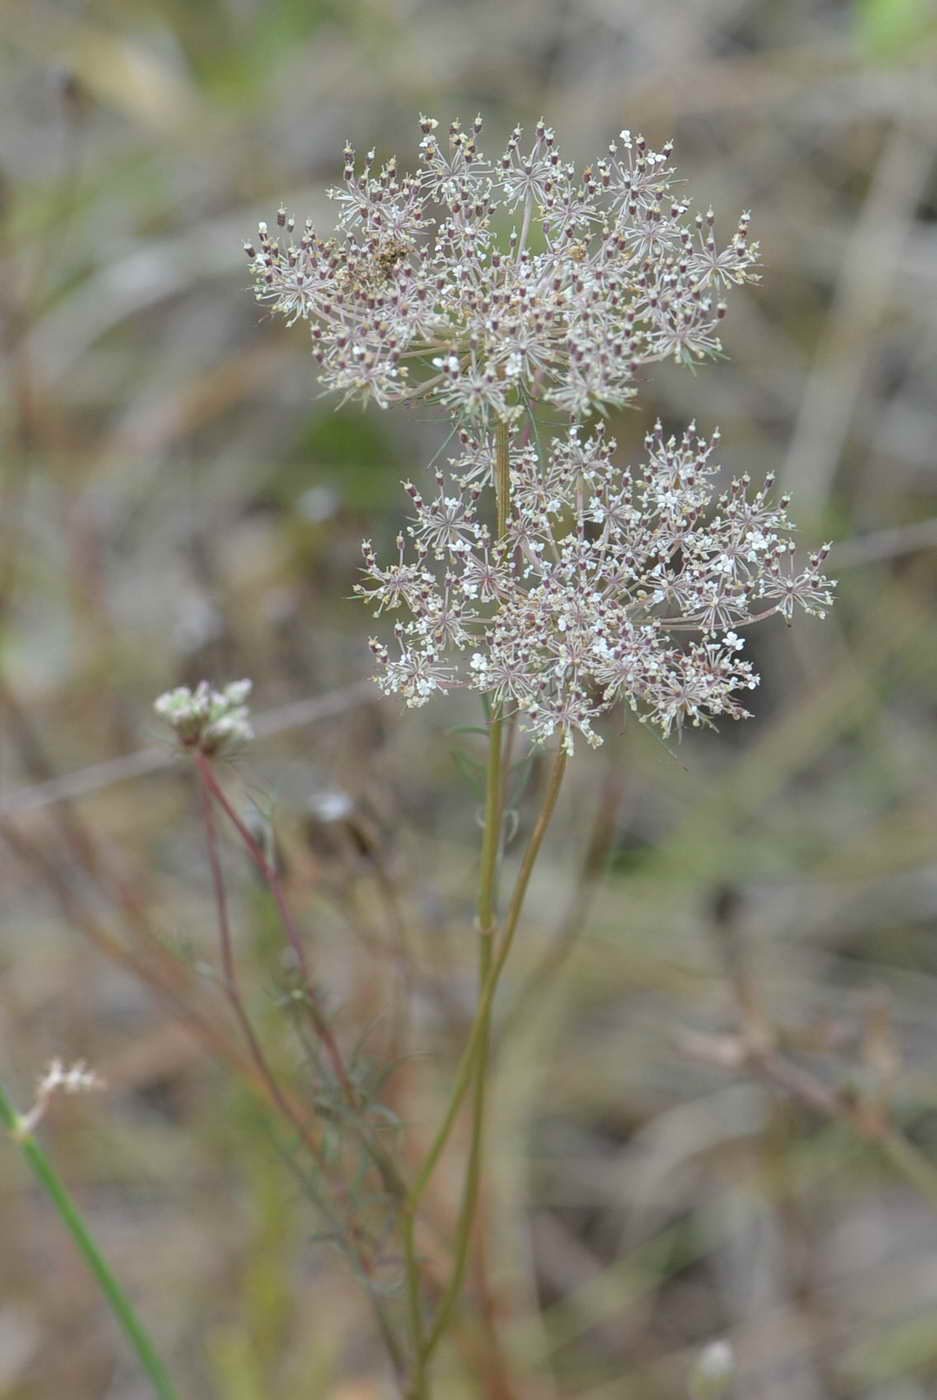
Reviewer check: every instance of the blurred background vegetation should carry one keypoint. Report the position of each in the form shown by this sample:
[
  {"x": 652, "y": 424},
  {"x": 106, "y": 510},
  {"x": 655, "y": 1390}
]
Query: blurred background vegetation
[{"x": 178, "y": 501}]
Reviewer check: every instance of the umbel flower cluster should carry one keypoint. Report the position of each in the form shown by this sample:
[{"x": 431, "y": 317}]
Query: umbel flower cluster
[
  {"x": 482, "y": 284},
  {"x": 489, "y": 286},
  {"x": 577, "y": 607},
  {"x": 211, "y": 721}
]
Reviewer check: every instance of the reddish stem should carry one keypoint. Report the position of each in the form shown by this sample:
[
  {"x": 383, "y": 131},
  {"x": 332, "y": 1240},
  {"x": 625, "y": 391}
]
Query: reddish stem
[
  {"x": 319, "y": 1024},
  {"x": 232, "y": 986}
]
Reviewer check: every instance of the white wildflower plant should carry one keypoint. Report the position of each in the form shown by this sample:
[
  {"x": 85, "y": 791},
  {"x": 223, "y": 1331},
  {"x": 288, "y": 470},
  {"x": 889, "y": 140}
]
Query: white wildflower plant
[
  {"x": 538, "y": 571},
  {"x": 481, "y": 284},
  {"x": 209, "y": 721},
  {"x": 77, "y": 1078},
  {"x": 580, "y": 605},
  {"x": 488, "y": 286}
]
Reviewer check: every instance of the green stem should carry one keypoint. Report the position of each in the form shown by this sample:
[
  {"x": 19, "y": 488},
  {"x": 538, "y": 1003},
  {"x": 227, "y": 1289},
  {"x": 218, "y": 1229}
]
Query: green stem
[
  {"x": 502, "y": 478},
  {"x": 417, "y": 1387},
  {"x": 472, "y": 1071},
  {"x": 468, "y": 1064},
  {"x": 464, "y": 1069},
  {"x": 487, "y": 920},
  {"x": 120, "y": 1305},
  {"x": 494, "y": 778}
]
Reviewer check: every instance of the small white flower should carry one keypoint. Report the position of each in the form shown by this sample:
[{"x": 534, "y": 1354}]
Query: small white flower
[
  {"x": 75, "y": 1079},
  {"x": 208, "y": 720}
]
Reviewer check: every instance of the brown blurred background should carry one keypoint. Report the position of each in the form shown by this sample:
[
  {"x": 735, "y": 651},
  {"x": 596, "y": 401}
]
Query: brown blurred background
[{"x": 178, "y": 501}]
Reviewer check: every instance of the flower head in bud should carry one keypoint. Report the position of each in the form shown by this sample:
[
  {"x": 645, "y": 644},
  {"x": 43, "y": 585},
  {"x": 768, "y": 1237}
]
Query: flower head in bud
[{"x": 206, "y": 720}]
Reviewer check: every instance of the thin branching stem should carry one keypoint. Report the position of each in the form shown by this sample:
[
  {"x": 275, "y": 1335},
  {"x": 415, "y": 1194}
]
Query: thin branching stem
[
  {"x": 317, "y": 1020},
  {"x": 482, "y": 1035},
  {"x": 464, "y": 1069},
  {"x": 210, "y": 789},
  {"x": 595, "y": 859},
  {"x": 231, "y": 982},
  {"x": 487, "y": 921},
  {"x": 388, "y": 1171},
  {"x": 385, "y": 1166},
  {"x": 467, "y": 1067}
]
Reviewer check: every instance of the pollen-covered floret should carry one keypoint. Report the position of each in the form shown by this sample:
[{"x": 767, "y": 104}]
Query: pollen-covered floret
[
  {"x": 587, "y": 600},
  {"x": 417, "y": 294}
]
